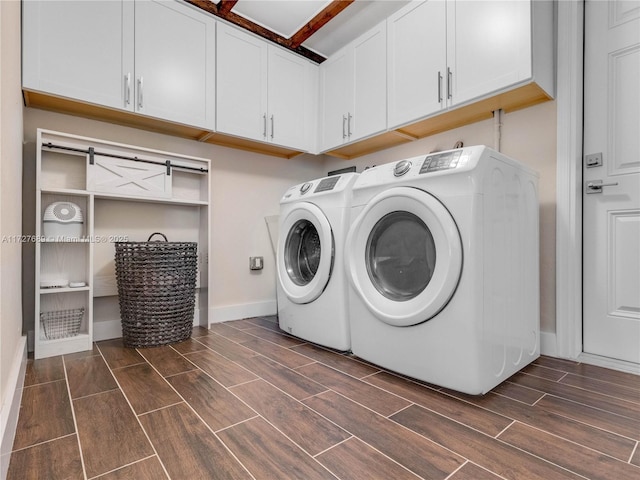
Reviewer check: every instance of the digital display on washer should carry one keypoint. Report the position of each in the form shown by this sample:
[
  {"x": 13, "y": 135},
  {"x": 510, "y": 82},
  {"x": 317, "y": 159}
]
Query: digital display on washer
[
  {"x": 326, "y": 184},
  {"x": 440, "y": 161}
]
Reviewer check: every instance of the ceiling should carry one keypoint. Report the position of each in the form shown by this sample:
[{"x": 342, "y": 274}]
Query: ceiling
[{"x": 313, "y": 28}]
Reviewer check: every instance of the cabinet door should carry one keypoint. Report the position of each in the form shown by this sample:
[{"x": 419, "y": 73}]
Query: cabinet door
[
  {"x": 241, "y": 84},
  {"x": 370, "y": 84},
  {"x": 417, "y": 61},
  {"x": 79, "y": 50},
  {"x": 336, "y": 97},
  {"x": 289, "y": 87},
  {"x": 488, "y": 46},
  {"x": 175, "y": 63}
]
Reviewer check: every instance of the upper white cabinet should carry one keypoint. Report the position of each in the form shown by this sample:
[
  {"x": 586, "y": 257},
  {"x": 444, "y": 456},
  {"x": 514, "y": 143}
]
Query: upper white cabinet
[
  {"x": 417, "y": 60},
  {"x": 155, "y": 58},
  {"x": 264, "y": 93},
  {"x": 291, "y": 100},
  {"x": 448, "y": 53},
  {"x": 353, "y": 90},
  {"x": 175, "y": 63},
  {"x": 81, "y": 50},
  {"x": 488, "y": 47},
  {"x": 336, "y": 83}
]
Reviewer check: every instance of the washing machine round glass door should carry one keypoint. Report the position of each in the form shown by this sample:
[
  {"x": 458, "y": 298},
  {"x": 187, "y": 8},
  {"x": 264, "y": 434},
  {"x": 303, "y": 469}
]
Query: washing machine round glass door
[
  {"x": 305, "y": 253},
  {"x": 404, "y": 256}
]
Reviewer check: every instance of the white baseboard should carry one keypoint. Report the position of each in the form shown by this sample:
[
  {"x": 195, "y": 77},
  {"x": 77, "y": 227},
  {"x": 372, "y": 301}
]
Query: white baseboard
[
  {"x": 246, "y": 310},
  {"x": 11, "y": 405},
  {"x": 611, "y": 363},
  {"x": 108, "y": 329},
  {"x": 548, "y": 345}
]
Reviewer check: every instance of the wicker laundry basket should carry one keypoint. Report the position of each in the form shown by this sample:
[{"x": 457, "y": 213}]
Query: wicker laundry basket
[{"x": 156, "y": 289}]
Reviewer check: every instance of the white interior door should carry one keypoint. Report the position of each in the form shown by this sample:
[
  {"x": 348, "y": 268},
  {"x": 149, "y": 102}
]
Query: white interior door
[{"x": 611, "y": 222}]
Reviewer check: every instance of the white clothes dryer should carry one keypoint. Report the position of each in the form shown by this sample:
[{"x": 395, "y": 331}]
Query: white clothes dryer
[
  {"x": 311, "y": 287},
  {"x": 443, "y": 266}
]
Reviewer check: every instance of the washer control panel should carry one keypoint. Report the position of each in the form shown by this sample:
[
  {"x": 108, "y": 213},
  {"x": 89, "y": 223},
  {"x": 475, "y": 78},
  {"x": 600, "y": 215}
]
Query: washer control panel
[
  {"x": 305, "y": 187},
  {"x": 326, "y": 184},
  {"x": 401, "y": 168},
  {"x": 441, "y": 161}
]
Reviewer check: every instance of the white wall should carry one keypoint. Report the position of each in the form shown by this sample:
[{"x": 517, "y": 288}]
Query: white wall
[
  {"x": 246, "y": 187},
  {"x": 528, "y": 135},
  {"x": 12, "y": 345}
]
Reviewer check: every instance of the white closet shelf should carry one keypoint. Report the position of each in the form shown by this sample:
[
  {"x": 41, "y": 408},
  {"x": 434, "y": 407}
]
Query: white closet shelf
[
  {"x": 124, "y": 191},
  {"x": 46, "y": 291}
]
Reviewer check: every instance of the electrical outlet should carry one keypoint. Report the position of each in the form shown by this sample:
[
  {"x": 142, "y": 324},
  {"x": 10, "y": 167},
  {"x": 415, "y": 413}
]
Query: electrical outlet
[{"x": 256, "y": 263}]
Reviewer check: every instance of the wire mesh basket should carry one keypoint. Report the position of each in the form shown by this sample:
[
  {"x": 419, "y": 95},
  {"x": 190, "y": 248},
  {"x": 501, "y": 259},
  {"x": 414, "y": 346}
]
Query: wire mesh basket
[
  {"x": 61, "y": 323},
  {"x": 156, "y": 291}
]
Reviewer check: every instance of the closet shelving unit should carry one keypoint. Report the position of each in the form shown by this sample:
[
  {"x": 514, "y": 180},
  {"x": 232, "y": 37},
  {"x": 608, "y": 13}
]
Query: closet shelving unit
[{"x": 125, "y": 193}]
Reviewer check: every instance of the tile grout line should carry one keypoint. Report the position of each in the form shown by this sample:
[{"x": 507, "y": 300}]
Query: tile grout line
[
  {"x": 196, "y": 413},
  {"x": 259, "y": 353},
  {"x": 404, "y": 427},
  {"x": 468, "y": 426},
  {"x": 75, "y": 421},
  {"x": 582, "y": 421},
  {"x": 392, "y": 460},
  {"x": 581, "y": 389},
  {"x": 542, "y": 459},
  {"x": 633, "y": 452},
  {"x": 330, "y": 389},
  {"x": 466, "y": 461},
  {"x": 121, "y": 467},
  {"x": 469, "y": 462},
  {"x": 590, "y": 406},
  {"x": 42, "y": 442},
  {"x": 513, "y": 422},
  {"x": 597, "y": 378},
  {"x": 367, "y": 443},
  {"x": 259, "y": 415},
  {"x": 608, "y": 423},
  {"x": 134, "y": 413},
  {"x": 576, "y": 443},
  {"x": 335, "y": 445}
]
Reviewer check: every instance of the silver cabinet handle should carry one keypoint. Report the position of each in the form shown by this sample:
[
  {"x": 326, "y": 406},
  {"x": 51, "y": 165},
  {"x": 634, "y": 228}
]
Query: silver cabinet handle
[
  {"x": 596, "y": 186},
  {"x": 439, "y": 87},
  {"x": 449, "y": 75},
  {"x": 127, "y": 89},
  {"x": 344, "y": 131},
  {"x": 272, "y": 129},
  {"x": 264, "y": 125},
  {"x": 349, "y": 125},
  {"x": 140, "y": 93}
]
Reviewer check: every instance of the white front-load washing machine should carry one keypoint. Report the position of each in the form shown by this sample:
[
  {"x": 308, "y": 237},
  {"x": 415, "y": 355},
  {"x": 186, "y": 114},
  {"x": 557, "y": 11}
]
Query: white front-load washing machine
[
  {"x": 443, "y": 267},
  {"x": 311, "y": 286}
]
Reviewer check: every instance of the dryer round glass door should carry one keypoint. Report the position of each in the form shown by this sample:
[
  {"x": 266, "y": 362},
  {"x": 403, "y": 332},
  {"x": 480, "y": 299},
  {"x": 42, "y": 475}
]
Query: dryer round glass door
[
  {"x": 404, "y": 256},
  {"x": 305, "y": 253}
]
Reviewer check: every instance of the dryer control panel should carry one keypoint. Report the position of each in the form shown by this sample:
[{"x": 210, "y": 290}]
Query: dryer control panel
[{"x": 441, "y": 161}]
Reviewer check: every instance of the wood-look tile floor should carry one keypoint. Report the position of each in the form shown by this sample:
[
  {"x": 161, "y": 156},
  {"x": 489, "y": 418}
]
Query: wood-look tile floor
[{"x": 244, "y": 400}]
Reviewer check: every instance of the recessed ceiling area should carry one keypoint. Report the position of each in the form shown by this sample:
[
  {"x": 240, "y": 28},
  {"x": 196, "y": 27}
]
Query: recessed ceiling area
[
  {"x": 358, "y": 18},
  {"x": 313, "y": 28},
  {"x": 284, "y": 17}
]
